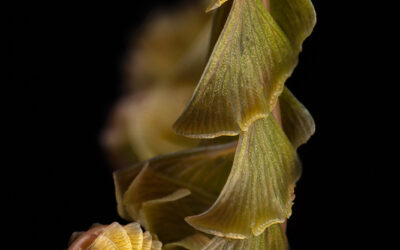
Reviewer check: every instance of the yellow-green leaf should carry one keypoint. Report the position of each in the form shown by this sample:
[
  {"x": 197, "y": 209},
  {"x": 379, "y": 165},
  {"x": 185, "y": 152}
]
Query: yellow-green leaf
[
  {"x": 259, "y": 189},
  {"x": 273, "y": 238},
  {"x": 295, "y": 17},
  {"x": 244, "y": 75},
  {"x": 297, "y": 122}
]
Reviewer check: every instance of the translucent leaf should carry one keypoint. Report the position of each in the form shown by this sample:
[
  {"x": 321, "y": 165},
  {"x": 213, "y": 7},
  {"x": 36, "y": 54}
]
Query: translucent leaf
[
  {"x": 146, "y": 241},
  {"x": 128, "y": 237},
  {"x": 102, "y": 242},
  {"x": 297, "y": 122},
  {"x": 194, "y": 242},
  {"x": 273, "y": 238},
  {"x": 215, "y": 4},
  {"x": 259, "y": 189},
  {"x": 244, "y": 75},
  {"x": 118, "y": 235},
  {"x": 135, "y": 234}
]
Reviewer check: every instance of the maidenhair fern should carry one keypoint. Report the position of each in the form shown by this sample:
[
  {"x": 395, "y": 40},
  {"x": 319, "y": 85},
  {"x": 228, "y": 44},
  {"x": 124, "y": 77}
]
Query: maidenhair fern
[{"x": 235, "y": 189}]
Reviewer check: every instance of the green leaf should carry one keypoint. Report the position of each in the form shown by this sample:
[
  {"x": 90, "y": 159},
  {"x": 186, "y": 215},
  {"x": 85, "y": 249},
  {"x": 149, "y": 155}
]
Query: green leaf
[
  {"x": 259, "y": 189},
  {"x": 296, "y": 18},
  {"x": 297, "y": 122},
  {"x": 245, "y": 73},
  {"x": 273, "y": 238}
]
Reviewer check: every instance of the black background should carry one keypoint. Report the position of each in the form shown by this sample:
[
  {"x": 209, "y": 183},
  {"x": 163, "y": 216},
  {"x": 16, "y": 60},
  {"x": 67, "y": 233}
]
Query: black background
[{"x": 65, "y": 63}]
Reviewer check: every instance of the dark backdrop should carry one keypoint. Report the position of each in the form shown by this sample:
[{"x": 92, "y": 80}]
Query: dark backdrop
[{"x": 65, "y": 62}]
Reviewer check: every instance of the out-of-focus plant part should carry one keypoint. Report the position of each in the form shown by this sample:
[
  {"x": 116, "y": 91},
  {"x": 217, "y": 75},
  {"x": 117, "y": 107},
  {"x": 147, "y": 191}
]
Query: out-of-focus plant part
[
  {"x": 171, "y": 48},
  {"x": 141, "y": 125},
  {"x": 162, "y": 71},
  {"x": 161, "y": 192}
]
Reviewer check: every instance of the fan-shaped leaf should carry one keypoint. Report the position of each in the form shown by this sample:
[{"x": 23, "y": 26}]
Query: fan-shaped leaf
[
  {"x": 128, "y": 237},
  {"x": 135, "y": 234},
  {"x": 244, "y": 76},
  {"x": 259, "y": 189}
]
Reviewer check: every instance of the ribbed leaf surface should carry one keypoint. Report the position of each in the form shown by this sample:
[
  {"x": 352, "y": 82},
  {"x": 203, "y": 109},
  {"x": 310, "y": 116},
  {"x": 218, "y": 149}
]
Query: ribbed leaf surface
[
  {"x": 259, "y": 189},
  {"x": 244, "y": 75},
  {"x": 273, "y": 238},
  {"x": 129, "y": 237}
]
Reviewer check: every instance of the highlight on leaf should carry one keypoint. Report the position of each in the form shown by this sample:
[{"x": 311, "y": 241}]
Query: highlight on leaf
[
  {"x": 246, "y": 70},
  {"x": 259, "y": 189},
  {"x": 215, "y": 4},
  {"x": 128, "y": 237},
  {"x": 273, "y": 238}
]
